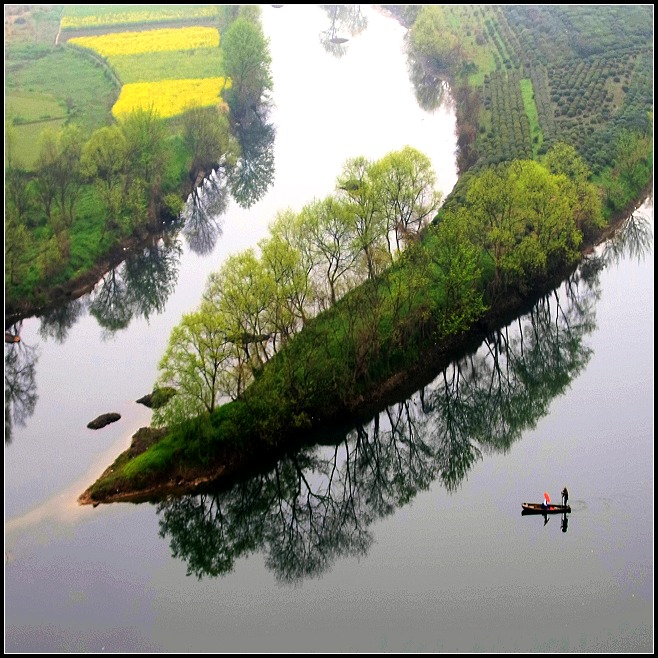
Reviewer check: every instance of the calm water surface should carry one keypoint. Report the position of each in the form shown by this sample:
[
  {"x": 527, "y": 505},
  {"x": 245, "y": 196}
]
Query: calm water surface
[{"x": 455, "y": 568}]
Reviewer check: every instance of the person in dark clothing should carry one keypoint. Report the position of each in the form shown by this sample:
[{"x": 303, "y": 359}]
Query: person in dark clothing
[{"x": 565, "y": 496}]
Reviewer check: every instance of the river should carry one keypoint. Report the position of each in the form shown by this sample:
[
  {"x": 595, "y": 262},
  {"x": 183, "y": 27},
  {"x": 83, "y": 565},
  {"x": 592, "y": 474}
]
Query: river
[{"x": 440, "y": 559}]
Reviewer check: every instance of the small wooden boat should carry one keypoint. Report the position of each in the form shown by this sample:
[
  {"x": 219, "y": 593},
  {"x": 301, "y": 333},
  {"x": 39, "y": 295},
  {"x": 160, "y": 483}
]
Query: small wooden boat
[
  {"x": 12, "y": 338},
  {"x": 538, "y": 508}
]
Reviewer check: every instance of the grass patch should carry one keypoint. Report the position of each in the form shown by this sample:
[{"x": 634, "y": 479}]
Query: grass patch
[
  {"x": 528, "y": 96},
  {"x": 26, "y": 140},
  {"x": 485, "y": 62},
  {"x": 152, "y": 67},
  {"x": 28, "y": 106},
  {"x": 157, "y": 458},
  {"x": 75, "y": 84}
]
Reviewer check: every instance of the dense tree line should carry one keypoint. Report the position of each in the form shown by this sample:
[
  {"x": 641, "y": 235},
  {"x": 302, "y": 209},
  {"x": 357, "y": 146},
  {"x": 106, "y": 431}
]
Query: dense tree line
[
  {"x": 90, "y": 192},
  {"x": 255, "y": 303},
  {"x": 358, "y": 278}
]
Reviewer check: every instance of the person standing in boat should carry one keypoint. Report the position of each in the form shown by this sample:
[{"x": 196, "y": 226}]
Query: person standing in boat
[{"x": 565, "y": 496}]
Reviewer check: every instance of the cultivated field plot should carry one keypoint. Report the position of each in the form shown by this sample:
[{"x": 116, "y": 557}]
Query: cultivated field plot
[
  {"x": 551, "y": 78},
  {"x": 81, "y": 17},
  {"x": 166, "y": 69}
]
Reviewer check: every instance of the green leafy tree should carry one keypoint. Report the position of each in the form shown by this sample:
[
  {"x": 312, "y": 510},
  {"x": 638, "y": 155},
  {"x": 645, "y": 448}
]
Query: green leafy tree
[
  {"x": 524, "y": 219},
  {"x": 147, "y": 157},
  {"x": 68, "y": 171},
  {"x": 242, "y": 291},
  {"x": 329, "y": 234},
  {"x": 289, "y": 228},
  {"x": 404, "y": 186},
  {"x": 16, "y": 244},
  {"x": 58, "y": 180},
  {"x": 17, "y": 192},
  {"x": 207, "y": 139},
  {"x": 104, "y": 159},
  {"x": 195, "y": 363},
  {"x": 458, "y": 272},
  {"x": 355, "y": 184},
  {"x": 247, "y": 63},
  {"x": 433, "y": 39},
  {"x": 282, "y": 262},
  {"x": 45, "y": 183},
  {"x": 632, "y": 158},
  {"x": 563, "y": 159}
]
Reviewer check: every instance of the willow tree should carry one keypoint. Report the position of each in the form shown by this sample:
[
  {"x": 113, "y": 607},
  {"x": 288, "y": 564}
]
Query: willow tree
[
  {"x": 242, "y": 291},
  {"x": 405, "y": 187},
  {"x": 196, "y": 363},
  {"x": 104, "y": 160},
  {"x": 329, "y": 235},
  {"x": 523, "y": 217},
  {"x": 283, "y": 265},
  {"x": 355, "y": 185}
]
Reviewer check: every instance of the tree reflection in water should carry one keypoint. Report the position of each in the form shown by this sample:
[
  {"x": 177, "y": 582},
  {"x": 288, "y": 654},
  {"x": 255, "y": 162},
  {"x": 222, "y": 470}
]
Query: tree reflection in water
[
  {"x": 56, "y": 322},
  {"x": 429, "y": 86},
  {"x": 634, "y": 239},
  {"x": 20, "y": 383},
  {"x": 253, "y": 173},
  {"x": 246, "y": 181},
  {"x": 202, "y": 213},
  {"x": 139, "y": 287},
  {"x": 317, "y": 505},
  {"x": 345, "y": 21}
]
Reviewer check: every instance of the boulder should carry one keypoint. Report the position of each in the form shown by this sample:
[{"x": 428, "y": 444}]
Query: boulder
[
  {"x": 158, "y": 398},
  {"x": 103, "y": 420}
]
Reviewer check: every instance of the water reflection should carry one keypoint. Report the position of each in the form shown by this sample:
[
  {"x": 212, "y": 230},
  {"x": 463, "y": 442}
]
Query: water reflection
[
  {"x": 20, "y": 384},
  {"x": 634, "y": 239},
  {"x": 317, "y": 505},
  {"x": 253, "y": 174},
  {"x": 139, "y": 287},
  {"x": 202, "y": 213},
  {"x": 344, "y": 21},
  {"x": 430, "y": 87},
  {"x": 56, "y": 322},
  {"x": 247, "y": 181}
]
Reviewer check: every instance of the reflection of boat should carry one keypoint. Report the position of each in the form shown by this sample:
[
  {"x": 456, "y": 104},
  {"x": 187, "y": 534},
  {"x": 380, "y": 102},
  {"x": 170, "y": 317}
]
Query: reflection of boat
[
  {"x": 11, "y": 338},
  {"x": 538, "y": 508}
]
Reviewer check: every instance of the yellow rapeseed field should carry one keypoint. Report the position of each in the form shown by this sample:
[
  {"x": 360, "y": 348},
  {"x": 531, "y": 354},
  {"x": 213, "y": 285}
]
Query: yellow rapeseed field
[
  {"x": 161, "y": 13},
  {"x": 168, "y": 98},
  {"x": 150, "y": 41}
]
